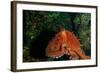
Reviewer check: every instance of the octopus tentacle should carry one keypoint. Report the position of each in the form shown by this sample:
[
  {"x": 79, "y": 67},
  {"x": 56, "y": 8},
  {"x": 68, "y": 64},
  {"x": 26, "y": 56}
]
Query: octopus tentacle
[{"x": 54, "y": 47}]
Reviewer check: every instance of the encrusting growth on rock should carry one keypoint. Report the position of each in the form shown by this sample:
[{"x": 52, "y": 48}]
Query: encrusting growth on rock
[{"x": 65, "y": 43}]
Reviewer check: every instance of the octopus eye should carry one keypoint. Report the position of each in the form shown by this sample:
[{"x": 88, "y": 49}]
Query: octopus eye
[{"x": 64, "y": 46}]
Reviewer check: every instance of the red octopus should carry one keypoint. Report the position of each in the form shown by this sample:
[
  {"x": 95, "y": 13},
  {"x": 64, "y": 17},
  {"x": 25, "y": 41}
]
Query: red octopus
[{"x": 65, "y": 43}]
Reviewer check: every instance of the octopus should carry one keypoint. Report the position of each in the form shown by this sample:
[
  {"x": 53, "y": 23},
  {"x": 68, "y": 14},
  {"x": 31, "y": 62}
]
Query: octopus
[{"x": 65, "y": 43}]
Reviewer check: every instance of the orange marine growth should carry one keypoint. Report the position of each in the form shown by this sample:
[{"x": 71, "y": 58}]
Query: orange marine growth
[{"x": 65, "y": 42}]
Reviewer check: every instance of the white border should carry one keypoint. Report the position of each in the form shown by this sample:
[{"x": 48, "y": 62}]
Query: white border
[{"x": 21, "y": 65}]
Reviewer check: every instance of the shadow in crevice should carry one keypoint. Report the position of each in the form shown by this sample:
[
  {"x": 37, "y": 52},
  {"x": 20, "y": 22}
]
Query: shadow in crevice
[{"x": 39, "y": 44}]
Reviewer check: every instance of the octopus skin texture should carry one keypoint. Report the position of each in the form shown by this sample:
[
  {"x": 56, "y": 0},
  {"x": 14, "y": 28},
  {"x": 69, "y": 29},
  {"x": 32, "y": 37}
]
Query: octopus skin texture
[{"x": 65, "y": 43}]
